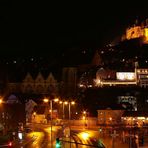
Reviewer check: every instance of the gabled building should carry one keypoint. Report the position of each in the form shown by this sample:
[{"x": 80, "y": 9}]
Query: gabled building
[
  {"x": 37, "y": 85},
  {"x": 109, "y": 116}
]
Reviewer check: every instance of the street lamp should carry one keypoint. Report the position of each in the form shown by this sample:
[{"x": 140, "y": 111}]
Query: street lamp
[
  {"x": 1, "y": 101},
  {"x": 63, "y": 106},
  {"x": 84, "y": 118},
  {"x": 46, "y": 101},
  {"x": 70, "y": 103}
]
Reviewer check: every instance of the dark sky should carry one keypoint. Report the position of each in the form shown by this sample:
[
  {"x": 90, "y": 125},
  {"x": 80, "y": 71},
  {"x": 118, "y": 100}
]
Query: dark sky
[{"x": 46, "y": 27}]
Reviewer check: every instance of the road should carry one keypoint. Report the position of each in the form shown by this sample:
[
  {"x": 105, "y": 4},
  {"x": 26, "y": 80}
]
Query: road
[
  {"x": 40, "y": 138},
  {"x": 80, "y": 138}
]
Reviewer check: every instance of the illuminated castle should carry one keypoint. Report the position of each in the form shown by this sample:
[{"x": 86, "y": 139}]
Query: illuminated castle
[{"x": 137, "y": 31}]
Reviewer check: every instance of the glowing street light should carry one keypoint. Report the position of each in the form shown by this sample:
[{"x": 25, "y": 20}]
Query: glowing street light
[
  {"x": 69, "y": 109},
  {"x": 70, "y": 103},
  {"x": 65, "y": 102},
  {"x": 84, "y": 112},
  {"x": 84, "y": 118},
  {"x": 56, "y": 100},
  {"x": 45, "y": 100},
  {"x": 1, "y": 101}
]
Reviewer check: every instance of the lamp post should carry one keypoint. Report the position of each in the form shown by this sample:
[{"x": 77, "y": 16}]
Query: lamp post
[
  {"x": 69, "y": 108},
  {"x": 46, "y": 101},
  {"x": 51, "y": 123},
  {"x": 69, "y": 113},
  {"x": 84, "y": 118},
  {"x": 63, "y": 107},
  {"x": 64, "y": 103}
]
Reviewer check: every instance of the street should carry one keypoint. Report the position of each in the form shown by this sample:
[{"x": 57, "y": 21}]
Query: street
[{"x": 80, "y": 138}]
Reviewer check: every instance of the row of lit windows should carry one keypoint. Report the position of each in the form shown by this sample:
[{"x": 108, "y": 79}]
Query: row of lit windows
[{"x": 142, "y": 71}]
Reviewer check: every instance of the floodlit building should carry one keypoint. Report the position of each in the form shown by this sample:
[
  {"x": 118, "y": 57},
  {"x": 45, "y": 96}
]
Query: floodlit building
[
  {"x": 138, "y": 30},
  {"x": 108, "y": 116},
  {"x": 138, "y": 77},
  {"x": 142, "y": 77}
]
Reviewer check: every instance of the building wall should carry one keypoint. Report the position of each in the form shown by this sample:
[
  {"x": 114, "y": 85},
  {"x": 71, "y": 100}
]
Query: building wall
[
  {"x": 134, "y": 32},
  {"x": 11, "y": 115},
  {"x": 142, "y": 77},
  {"x": 109, "y": 117},
  {"x": 39, "y": 118}
]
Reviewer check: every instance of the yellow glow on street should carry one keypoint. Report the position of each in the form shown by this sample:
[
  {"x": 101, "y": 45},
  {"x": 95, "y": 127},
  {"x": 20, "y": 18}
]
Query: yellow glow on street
[
  {"x": 54, "y": 128},
  {"x": 37, "y": 136},
  {"x": 85, "y": 136}
]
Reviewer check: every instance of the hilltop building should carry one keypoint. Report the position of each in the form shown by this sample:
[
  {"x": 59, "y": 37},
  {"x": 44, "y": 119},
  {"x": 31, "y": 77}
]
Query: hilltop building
[{"x": 138, "y": 30}]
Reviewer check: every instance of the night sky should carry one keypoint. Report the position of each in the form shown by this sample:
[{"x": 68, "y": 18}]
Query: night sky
[{"x": 43, "y": 28}]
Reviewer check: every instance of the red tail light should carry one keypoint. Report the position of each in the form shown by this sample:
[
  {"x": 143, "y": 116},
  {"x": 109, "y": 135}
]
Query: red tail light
[{"x": 10, "y": 144}]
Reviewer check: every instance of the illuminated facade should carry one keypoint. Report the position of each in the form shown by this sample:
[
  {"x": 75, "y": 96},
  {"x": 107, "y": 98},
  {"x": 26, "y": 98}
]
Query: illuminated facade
[
  {"x": 109, "y": 116},
  {"x": 138, "y": 31},
  {"x": 139, "y": 77},
  {"x": 122, "y": 78},
  {"x": 126, "y": 76},
  {"x": 134, "y": 32},
  {"x": 142, "y": 77}
]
